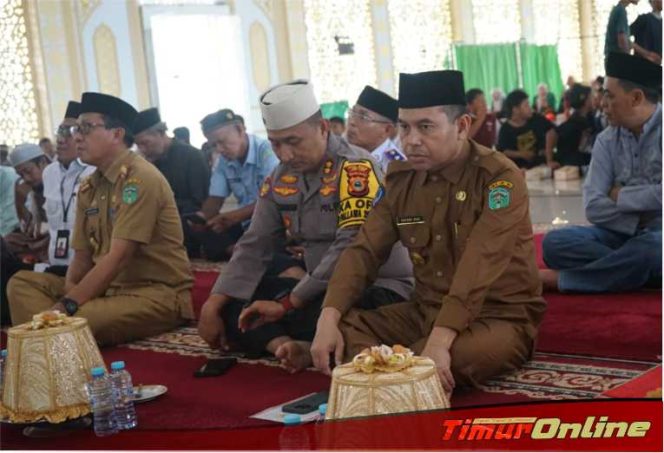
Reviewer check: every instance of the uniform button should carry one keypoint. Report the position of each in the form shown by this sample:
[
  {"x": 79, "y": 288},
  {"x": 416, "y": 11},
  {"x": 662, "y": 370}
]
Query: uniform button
[
  {"x": 439, "y": 274},
  {"x": 475, "y": 159},
  {"x": 438, "y": 237},
  {"x": 412, "y": 240},
  {"x": 434, "y": 178},
  {"x": 439, "y": 200},
  {"x": 103, "y": 197}
]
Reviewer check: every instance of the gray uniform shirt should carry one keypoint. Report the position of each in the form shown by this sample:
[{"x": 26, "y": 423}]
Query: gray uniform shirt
[
  {"x": 318, "y": 212},
  {"x": 619, "y": 158}
]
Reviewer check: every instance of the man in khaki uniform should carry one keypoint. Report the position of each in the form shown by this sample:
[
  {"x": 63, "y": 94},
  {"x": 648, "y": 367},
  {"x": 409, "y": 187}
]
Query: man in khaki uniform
[
  {"x": 130, "y": 276},
  {"x": 462, "y": 212},
  {"x": 320, "y": 194}
]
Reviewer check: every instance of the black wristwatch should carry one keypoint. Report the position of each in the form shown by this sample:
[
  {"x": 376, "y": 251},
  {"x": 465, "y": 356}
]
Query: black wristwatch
[{"x": 71, "y": 306}]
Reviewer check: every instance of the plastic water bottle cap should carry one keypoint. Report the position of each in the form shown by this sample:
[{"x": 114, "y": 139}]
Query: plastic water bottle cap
[
  {"x": 3, "y": 353},
  {"x": 322, "y": 409},
  {"x": 292, "y": 419},
  {"x": 98, "y": 371},
  {"x": 119, "y": 365}
]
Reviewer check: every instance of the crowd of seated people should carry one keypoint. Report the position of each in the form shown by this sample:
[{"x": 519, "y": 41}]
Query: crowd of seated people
[{"x": 339, "y": 240}]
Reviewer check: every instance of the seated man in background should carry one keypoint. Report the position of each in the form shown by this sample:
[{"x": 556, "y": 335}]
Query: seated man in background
[
  {"x": 462, "y": 211},
  {"x": 47, "y": 147},
  {"x": 182, "y": 165},
  {"x": 321, "y": 193},
  {"x": 130, "y": 275},
  {"x": 62, "y": 179},
  {"x": 182, "y": 134},
  {"x": 337, "y": 125},
  {"x": 372, "y": 125},
  {"x": 622, "y": 193},
  {"x": 526, "y": 137},
  {"x": 574, "y": 135},
  {"x": 32, "y": 240},
  {"x": 483, "y": 126},
  {"x": 244, "y": 162},
  {"x": 544, "y": 102}
]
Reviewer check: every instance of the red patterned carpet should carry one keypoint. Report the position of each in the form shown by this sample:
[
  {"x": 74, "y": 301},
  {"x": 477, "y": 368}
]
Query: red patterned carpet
[{"x": 590, "y": 347}]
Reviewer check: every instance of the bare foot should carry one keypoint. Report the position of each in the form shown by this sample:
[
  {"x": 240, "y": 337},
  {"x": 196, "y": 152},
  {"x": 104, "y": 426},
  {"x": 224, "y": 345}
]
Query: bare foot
[
  {"x": 295, "y": 355},
  {"x": 549, "y": 279}
]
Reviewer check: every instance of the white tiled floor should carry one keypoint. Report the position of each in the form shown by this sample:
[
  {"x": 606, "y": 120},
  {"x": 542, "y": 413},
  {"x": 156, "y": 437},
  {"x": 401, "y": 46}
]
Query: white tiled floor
[{"x": 556, "y": 202}]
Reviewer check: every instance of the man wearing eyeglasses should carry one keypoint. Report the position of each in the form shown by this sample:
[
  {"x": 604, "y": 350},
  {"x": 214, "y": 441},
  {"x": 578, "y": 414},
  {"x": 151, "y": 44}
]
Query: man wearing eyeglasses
[
  {"x": 129, "y": 276},
  {"x": 61, "y": 182},
  {"x": 372, "y": 126}
]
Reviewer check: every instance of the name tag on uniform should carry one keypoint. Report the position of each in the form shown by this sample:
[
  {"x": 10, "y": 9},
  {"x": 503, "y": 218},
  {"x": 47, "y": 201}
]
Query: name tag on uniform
[
  {"x": 91, "y": 211},
  {"x": 411, "y": 220},
  {"x": 62, "y": 244}
]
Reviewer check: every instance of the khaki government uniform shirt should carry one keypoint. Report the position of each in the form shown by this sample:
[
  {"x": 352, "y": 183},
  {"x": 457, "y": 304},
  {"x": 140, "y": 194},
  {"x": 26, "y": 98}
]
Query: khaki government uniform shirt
[
  {"x": 469, "y": 236},
  {"x": 133, "y": 201}
]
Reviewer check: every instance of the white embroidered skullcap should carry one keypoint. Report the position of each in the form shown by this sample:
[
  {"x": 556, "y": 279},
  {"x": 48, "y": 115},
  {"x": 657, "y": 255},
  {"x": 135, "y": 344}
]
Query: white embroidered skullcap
[
  {"x": 23, "y": 153},
  {"x": 288, "y": 104}
]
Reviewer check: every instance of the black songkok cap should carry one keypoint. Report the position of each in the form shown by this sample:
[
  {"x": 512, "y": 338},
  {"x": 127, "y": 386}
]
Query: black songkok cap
[
  {"x": 634, "y": 69},
  {"x": 108, "y": 105},
  {"x": 430, "y": 89},
  {"x": 146, "y": 119},
  {"x": 578, "y": 95},
  {"x": 73, "y": 109},
  {"x": 217, "y": 119},
  {"x": 379, "y": 102}
]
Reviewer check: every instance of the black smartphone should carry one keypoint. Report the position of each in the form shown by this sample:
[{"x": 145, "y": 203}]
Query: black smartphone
[
  {"x": 307, "y": 404},
  {"x": 216, "y": 367},
  {"x": 195, "y": 218}
]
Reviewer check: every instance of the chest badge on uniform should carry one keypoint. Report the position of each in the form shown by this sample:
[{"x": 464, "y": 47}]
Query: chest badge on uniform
[
  {"x": 327, "y": 190},
  {"x": 265, "y": 188},
  {"x": 327, "y": 167},
  {"x": 417, "y": 259},
  {"x": 130, "y": 194},
  {"x": 410, "y": 220},
  {"x": 461, "y": 195},
  {"x": 499, "y": 198},
  {"x": 358, "y": 179},
  {"x": 285, "y": 191},
  {"x": 288, "y": 179},
  {"x": 329, "y": 179}
]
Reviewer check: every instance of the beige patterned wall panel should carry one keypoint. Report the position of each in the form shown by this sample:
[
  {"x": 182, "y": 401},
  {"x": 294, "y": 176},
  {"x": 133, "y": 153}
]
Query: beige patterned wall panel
[
  {"x": 59, "y": 69},
  {"x": 18, "y": 99},
  {"x": 87, "y": 7},
  {"x": 106, "y": 57},
  {"x": 260, "y": 60}
]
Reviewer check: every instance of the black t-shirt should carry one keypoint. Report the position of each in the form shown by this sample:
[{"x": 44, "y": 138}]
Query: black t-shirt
[
  {"x": 529, "y": 137},
  {"x": 187, "y": 172},
  {"x": 570, "y": 134},
  {"x": 647, "y": 31}
]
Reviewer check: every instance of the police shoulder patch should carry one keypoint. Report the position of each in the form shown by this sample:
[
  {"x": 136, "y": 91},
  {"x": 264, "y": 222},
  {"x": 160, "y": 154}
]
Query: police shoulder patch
[
  {"x": 358, "y": 188},
  {"x": 265, "y": 187}
]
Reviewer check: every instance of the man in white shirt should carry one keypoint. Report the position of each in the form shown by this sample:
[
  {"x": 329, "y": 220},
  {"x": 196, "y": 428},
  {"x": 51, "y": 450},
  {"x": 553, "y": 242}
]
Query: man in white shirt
[
  {"x": 61, "y": 181},
  {"x": 372, "y": 126}
]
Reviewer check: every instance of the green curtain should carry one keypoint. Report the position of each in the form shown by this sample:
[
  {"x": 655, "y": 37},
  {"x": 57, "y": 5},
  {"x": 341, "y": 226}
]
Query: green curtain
[
  {"x": 488, "y": 67},
  {"x": 330, "y": 109},
  {"x": 539, "y": 64}
]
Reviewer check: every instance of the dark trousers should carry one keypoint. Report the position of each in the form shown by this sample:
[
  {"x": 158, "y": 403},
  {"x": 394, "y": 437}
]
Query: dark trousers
[
  {"x": 210, "y": 245},
  {"x": 298, "y": 324}
]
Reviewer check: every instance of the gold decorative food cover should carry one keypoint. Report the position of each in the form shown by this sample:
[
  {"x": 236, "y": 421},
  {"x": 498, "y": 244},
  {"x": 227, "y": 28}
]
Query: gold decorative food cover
[
  {"x": 385, "y": 380},
  {"x": 48, "y": 364}
]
